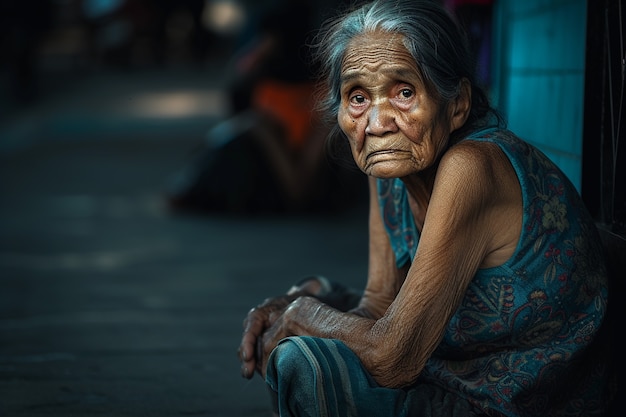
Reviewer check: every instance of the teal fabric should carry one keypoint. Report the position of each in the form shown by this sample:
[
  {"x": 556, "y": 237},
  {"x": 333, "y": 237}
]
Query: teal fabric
[
  {"x": 526, "y": 339},
  {"x": 399, "y": 222},
  {"x": 321, "y": 377}
]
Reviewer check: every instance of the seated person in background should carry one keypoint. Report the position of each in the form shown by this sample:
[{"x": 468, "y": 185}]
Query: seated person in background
[
  {"x": 269, "y": 156},
  {"x": 487, "y": 288}
]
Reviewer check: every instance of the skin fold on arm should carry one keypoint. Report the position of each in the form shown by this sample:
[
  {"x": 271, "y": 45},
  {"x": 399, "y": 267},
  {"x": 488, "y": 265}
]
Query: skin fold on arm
[
  {"x": 456, "y": 239},
  {"x": 465, "y": 200}
]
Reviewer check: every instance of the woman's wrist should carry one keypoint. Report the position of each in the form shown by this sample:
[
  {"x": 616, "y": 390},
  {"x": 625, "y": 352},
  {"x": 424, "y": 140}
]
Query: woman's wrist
[{"x": 332, "y": 293}]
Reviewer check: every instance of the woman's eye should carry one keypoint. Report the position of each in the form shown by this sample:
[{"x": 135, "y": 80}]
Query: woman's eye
[
  {"x": 357, "y": 99},
  {"x": 406, "y": 93}
]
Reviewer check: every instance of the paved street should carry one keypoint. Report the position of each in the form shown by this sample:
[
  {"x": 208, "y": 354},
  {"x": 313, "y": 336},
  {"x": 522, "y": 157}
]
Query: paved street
[{"x": 110, "y": 305}]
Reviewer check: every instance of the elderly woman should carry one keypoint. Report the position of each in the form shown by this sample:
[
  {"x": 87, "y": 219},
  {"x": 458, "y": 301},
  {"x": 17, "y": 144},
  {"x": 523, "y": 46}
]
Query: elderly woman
[{"x": 486, "y": 290}]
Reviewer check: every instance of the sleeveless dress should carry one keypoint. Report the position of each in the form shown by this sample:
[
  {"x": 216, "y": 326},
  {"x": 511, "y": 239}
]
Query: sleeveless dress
[{"x": 525, "y": 340}]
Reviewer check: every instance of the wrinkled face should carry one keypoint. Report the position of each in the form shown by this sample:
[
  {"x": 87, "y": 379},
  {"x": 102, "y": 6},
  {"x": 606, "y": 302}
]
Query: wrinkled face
[{"x": 395, "y": 127}]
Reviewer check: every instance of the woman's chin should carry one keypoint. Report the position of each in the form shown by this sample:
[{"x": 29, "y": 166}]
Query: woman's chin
[{"x": 388, "y": 169}]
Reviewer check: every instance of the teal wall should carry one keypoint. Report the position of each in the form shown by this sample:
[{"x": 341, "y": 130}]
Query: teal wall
[{"x": 539, "y": 72}]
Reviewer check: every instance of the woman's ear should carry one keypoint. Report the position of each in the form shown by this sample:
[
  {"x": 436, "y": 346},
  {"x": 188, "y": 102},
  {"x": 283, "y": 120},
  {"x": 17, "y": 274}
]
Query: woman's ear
[{"x": 460, "y": 107}]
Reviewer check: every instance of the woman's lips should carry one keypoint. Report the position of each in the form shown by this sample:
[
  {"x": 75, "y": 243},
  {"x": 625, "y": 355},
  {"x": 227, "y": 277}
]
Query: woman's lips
[{"x": 381, "y": 153}]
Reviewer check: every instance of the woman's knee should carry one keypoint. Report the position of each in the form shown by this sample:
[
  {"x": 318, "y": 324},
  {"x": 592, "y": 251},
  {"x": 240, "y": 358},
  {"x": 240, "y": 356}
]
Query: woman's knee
[
  {"x": 291, "y": 361},
  {"x": 292, "y": 373}
]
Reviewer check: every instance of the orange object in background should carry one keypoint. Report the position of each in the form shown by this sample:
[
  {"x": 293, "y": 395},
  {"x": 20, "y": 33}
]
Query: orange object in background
[{"x": 291, "y": 105}]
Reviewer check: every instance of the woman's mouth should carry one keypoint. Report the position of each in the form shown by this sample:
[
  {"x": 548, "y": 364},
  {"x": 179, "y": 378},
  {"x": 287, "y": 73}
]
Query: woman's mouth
[{"x": 380, "y": 154}]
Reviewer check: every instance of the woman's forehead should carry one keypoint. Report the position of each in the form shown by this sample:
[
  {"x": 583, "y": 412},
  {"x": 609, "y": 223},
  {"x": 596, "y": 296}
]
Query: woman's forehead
[{"x": 373, "y": 50}]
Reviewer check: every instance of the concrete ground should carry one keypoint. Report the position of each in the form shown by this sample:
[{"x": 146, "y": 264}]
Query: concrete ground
[{"x": 111, "y": 305}]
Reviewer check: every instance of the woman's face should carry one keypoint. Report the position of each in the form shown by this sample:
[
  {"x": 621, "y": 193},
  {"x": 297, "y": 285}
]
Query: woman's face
[{"x": 395, "y": 127}]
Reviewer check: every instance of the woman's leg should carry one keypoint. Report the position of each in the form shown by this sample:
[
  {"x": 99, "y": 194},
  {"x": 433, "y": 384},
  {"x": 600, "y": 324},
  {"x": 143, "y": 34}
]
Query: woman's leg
[{"x": 322, "y": 377}]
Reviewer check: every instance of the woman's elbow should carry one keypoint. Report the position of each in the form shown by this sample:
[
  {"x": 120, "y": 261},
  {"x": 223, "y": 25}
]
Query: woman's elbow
[{"x": 393, "y": 368}]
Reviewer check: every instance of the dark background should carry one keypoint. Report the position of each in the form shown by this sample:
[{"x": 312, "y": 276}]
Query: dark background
[{"x": 112, "y": 303}]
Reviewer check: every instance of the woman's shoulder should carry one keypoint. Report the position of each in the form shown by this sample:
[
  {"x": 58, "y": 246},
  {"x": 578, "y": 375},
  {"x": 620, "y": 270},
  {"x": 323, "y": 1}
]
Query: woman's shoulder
[
  {"x": 472, "y": 157},
  {"x": 479, "y": 172},
  {"x": 498, "y": 149}
]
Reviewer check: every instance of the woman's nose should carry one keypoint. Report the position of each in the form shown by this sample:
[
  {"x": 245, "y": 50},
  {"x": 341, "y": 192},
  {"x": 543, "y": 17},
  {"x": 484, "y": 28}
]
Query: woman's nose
[{"x": 380, "y": 121}]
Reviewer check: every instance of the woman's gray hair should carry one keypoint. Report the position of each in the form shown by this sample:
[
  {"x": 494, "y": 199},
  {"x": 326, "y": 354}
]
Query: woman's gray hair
[{"x": 432, "y": 36}]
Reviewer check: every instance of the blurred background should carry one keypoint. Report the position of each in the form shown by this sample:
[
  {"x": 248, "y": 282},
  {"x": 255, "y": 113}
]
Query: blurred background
[{"x": 161, "y": 172}]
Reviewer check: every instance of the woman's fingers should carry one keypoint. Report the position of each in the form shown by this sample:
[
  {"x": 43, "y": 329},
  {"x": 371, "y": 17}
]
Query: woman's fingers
[
  {"x": 254, "y": 325},
  {"x": 267, "y": 343},
  {"x": 259, "y": 319}
]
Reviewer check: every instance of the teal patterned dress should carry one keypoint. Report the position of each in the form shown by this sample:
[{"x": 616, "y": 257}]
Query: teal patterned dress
[{"x": 524, "y": 341}]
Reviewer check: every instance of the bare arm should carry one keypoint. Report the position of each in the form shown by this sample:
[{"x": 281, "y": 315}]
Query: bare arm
[
  {"x": 473, "y": 221},
  {"x": 462, "y": 222},
  {"x": 281, "y": 316},
  {"x": 384, "y": 278}
]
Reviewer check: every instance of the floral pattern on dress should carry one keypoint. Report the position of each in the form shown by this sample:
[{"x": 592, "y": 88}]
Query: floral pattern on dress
[
  {"x": 399, "y": 224},
  {"x": 517, "y": 345}
]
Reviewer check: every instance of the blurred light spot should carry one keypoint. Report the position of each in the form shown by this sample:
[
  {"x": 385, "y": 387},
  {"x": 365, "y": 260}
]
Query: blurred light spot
[
  {"x": 178, "y": 104},
  {"x": 224, "y": 16},
  {"x": 94, "y": 9}
]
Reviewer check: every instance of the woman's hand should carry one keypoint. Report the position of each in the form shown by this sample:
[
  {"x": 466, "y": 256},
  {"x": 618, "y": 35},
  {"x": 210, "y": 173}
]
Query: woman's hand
[
  {"x": 274, "y": 334},
  {"x": 295, "y": 313},
  {"x": 255, "y": 325},
  {"x": 258, "y": 340}
]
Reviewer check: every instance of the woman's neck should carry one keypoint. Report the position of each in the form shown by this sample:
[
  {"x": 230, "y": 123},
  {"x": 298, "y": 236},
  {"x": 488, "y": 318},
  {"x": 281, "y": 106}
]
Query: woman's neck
[{"x": 420, "y": 188}]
